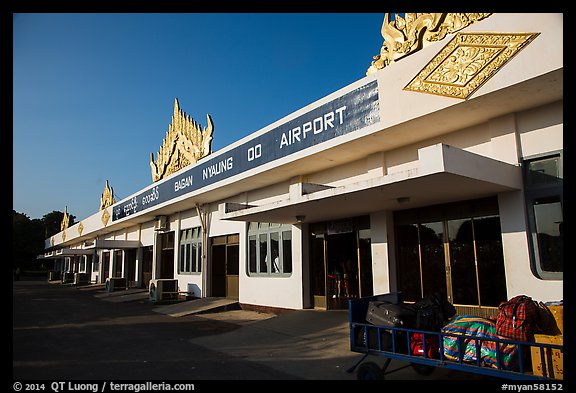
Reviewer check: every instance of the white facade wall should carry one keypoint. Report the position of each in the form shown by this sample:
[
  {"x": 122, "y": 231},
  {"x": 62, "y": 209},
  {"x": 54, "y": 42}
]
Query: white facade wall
[{"x": 409, "y": 121}]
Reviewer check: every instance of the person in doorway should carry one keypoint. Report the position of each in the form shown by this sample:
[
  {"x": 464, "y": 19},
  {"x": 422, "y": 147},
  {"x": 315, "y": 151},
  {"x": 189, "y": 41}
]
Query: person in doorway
[
  {"x": 349, "y": 278},
  {"x": 339, "y": 277}
]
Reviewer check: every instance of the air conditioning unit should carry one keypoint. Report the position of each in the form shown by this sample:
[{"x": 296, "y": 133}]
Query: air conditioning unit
[
  {"x": 67, "y": 277},
  {"x": 161, "y": 223},
  {"x": 81, "y": 278},
  {"x": 163, "y": 289},
  {"x": 115, "y": 284}
]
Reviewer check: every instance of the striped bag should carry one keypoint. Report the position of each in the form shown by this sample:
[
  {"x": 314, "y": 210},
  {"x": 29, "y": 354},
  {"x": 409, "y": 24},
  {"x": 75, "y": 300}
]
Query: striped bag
[{"x": 482, "y": 331}]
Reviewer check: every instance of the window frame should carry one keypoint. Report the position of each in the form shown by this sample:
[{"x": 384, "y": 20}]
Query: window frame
[
  {"x": 270, "y": 232},
  {"x": 533, "y": 193},
  {"x": 190, "y": 251}
]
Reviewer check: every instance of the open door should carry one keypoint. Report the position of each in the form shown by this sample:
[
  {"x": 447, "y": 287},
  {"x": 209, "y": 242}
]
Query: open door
[{"x": 225, "y": 260}]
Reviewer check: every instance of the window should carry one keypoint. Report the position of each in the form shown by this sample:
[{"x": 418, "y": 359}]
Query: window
[
  {"x": 269, "y": 249},
  {"x": 190, "y": 258},
  {"x": 543, "y": 182}
]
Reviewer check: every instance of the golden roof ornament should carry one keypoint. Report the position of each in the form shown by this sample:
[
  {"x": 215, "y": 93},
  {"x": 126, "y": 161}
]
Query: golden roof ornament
[
  {"x": 107, "y": 197},
  {"x": 65, "y": 220},
  {"x": 185, "y": 143},
  {"x": 409, "y": 33}
]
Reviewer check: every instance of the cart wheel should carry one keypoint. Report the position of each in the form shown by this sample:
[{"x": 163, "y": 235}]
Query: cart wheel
[
  {"x": 423, "y": 369},
  {"x": 369, "y": 371}
]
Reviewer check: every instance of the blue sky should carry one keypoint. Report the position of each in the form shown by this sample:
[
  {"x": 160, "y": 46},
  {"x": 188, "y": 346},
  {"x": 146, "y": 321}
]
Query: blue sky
[{"x": 94, "y": 93}]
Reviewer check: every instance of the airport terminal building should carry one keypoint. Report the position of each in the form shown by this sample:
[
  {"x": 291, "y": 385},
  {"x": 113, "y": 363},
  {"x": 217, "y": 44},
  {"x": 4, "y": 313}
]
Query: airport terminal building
[{"x": 441, "y": 171}]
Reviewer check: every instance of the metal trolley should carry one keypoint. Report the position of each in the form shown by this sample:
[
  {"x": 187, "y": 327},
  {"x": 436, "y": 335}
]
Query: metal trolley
[{"x": 394, "y": 343}]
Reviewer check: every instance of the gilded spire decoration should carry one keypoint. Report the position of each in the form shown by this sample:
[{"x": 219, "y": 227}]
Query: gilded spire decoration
[
  {"x": 107, "y": 197},
  {"x": 185, "y": 143},
  {"x": 65, "y": 220},
  {"x": 406, "y": 34}
]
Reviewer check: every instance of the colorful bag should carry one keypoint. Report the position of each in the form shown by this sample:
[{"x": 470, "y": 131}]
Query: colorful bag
[
  {"x": 432, "y": 345},
  {"x": 518, "y": 318},
  {"x": 482, "y": 342}
]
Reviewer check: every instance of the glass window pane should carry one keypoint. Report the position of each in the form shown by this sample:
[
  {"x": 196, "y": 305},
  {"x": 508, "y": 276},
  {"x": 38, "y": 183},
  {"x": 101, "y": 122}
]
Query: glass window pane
[
  {"x": 263, "y": 247},
  {"x": 544, "y": 171},
  {"x": 549, "y": 234},
  {"x": 409, "y": 261},
  {"x": 187, "y": 267},
  {"x": 365, "y": 250},
  {"x": 317, "y": 271},
  {"x": 199, "y": 267},
  {"x": 490, "y": 260},
  {"x": 462, "y": 262},
  {"x": 182, "y": 257},
  {"x": 433, "y": 263},
  {"x": 193, "y": 257},
  {"x": 275, "y": 250},
  {"x": 252, "y": 254},
  {"x": 287, "y": 251},
  {"x": 232, "y": 259}
]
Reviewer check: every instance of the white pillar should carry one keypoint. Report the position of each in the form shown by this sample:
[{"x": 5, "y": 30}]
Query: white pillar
[{"x": 383, "y": 255}]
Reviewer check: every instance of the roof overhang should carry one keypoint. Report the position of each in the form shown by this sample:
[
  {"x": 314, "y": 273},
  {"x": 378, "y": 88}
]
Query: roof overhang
[
  {"x": 111, "y": 244},
  {"x": 64, "y": 252},
  {"x": 443, "y": 174},
  {"x": 89, "y": 247}
]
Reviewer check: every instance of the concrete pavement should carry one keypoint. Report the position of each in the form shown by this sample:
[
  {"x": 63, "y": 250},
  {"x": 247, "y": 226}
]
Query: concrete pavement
[{"x": 86, "y": 333}]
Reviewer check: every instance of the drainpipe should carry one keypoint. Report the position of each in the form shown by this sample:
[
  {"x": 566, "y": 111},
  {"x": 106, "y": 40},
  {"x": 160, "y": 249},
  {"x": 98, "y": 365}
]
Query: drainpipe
[{"x": 203, "y": 215}]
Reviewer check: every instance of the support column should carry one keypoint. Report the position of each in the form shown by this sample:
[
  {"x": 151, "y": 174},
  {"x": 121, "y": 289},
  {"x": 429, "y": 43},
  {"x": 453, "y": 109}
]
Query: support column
[{"x": 383, "y": 255}]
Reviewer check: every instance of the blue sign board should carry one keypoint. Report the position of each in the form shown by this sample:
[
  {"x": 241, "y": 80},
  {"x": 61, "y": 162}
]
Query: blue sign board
[{"x": 351, "y": 112}]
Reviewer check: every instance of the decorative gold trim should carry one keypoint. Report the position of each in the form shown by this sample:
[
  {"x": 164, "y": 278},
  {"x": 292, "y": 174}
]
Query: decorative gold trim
[
  {"x": 65, "y": 220},
  {"x": 52, "y": 241},
  {"x": 405, "y": 35},
  {"x": 80, "y": 228},
  {"x": 107, "y": 197},
  {"x": 185, "y": 143},
  {"x": 105, "y": 217},
  {"x": 64, "y": 235},
  {"x": 467, "y": 62}
]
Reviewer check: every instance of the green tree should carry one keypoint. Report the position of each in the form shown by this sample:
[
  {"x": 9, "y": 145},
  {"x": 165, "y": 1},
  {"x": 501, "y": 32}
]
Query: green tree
[
  {"x": 29, "y": 236},
  {"x": 52, "y": 222},
  {"x": 27, "y": 240}
]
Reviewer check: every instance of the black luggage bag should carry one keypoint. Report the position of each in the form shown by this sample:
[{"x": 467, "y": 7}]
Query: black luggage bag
[
  {"x": 367, "y": 337},
  {"x": 387, "y": 314}
]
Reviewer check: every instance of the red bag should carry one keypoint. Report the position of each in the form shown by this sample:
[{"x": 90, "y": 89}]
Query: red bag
[
  {"x": 518, "y": 318},
  {"x": 432, "y": 345}
]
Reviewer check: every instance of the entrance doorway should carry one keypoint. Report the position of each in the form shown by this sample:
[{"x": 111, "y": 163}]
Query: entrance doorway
[
  {"x": 147, "y": 257},
  {"x": 105, "y": 266},
  {"x": 130, "y": 267},
  {"x": 166, "y": 266},
  {"x": 341, "y": 262},
  {"x": 225, "y": 260},
  {"x": 117, "y": 264},
  {"x": 454, "y": 250}
]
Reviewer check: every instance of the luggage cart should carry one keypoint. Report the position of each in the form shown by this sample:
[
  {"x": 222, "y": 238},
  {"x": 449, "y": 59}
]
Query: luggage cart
[{"x": 393, "y": 343}]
